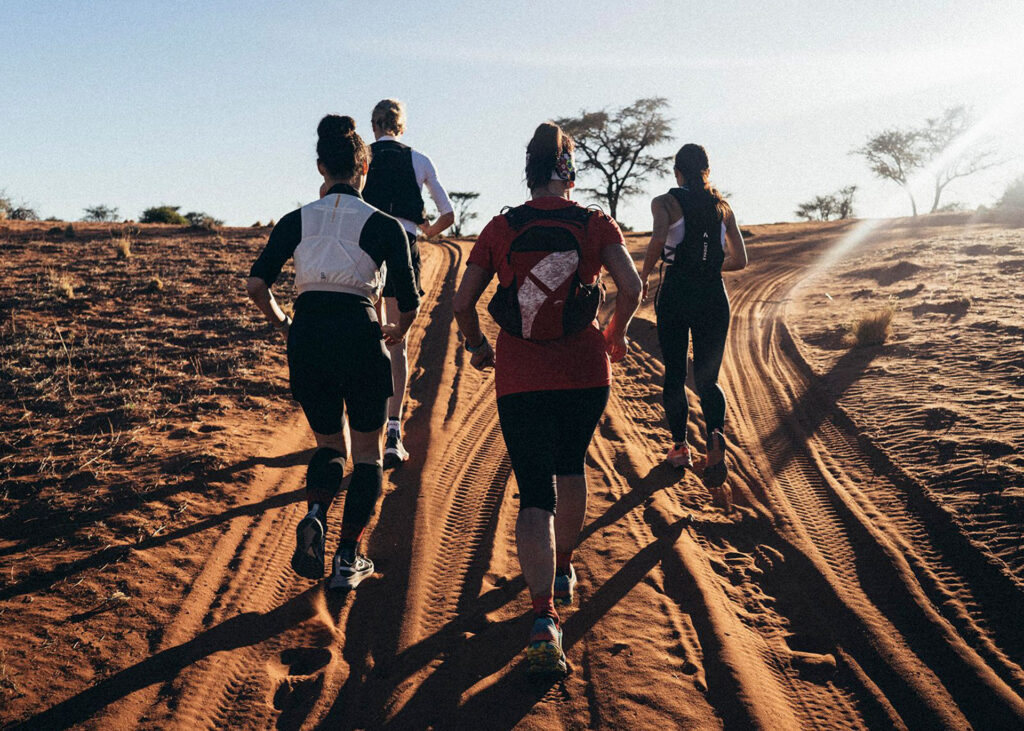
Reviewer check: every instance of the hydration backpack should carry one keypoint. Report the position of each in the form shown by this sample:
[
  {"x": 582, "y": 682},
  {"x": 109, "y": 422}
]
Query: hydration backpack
[
  {"x": 391, "y": 182},
  {"x": 546, "y": 299},
  {"x": 700, "y": 251}
]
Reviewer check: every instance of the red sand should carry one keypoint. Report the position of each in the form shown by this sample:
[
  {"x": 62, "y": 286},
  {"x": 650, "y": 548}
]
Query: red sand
[{"x": 153, "y": 472}]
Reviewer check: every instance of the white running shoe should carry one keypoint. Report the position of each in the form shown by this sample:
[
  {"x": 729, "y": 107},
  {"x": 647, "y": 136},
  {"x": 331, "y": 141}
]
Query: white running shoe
[
  {"x": 394, "y": 451},
  {"x": 349, "y": 570}
]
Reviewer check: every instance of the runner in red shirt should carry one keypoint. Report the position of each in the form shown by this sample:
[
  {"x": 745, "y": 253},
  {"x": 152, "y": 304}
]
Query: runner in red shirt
[{"x": 552, "y": 370}]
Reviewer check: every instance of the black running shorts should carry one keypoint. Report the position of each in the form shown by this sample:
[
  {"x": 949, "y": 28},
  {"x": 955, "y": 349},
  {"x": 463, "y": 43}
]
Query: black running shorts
[
  {"x": 337, "y": 361},
  {"x": 414, "y": 252},
  {"x": 547, "y": 433}
]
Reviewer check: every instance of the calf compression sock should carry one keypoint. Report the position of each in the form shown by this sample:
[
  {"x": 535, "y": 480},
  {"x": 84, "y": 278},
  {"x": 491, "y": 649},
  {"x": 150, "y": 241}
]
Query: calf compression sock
[{"x": 323, "y": 478}]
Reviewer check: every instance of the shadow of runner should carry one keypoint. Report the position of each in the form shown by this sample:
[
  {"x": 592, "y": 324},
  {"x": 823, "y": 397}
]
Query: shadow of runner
[
  {"x": 243, "y": 630},
  {"x": 506, "y": 702},
  {"x": 58, "y": 525},
  {"x": 113, "y": 554},
  {"x": 661, "y": 476}
]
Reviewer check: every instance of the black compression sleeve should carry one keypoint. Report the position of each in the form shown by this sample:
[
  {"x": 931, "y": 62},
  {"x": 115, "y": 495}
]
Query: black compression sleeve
[
  {"x": 384, "y": 239},
  {"x": 279, "y": 249}
]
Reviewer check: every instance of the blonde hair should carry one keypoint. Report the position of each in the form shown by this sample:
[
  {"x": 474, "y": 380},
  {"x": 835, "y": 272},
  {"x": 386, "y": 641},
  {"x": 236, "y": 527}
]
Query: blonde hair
[{"x": 389, "y": 115}]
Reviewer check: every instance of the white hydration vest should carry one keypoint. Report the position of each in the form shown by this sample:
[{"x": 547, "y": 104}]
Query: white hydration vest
[{"x": 328, "y": 257}]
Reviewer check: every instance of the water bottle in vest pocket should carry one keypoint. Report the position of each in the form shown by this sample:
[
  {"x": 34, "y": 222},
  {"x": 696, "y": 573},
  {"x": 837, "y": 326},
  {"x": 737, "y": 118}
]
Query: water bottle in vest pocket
[{"x": 541, "y": 295}]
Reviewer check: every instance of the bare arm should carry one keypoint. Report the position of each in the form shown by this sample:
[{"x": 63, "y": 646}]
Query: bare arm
[
  {"x": 619, "y": 264},
  {"x": 735, "y": 249},
  {"x": 260, "y": 293},
  {"x": 473, "y": 284},
  {"x": 430, "y": 230},
  {"x": 659, "y": 234}
]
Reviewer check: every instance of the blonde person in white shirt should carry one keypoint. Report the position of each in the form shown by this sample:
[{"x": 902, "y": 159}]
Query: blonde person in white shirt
[{"x": 394, "y": 185}]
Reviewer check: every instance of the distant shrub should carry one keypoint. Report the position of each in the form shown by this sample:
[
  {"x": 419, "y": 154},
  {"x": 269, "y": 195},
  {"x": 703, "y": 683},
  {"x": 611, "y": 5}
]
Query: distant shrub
[
  {"x": 271, "y": 223},
  {"x": 100, "y": 213},
  {"x": 69, "y": 231},
  {"x": 155, "y": 285},
  {"x": 23, "y": 213},
  {"x": 198, "y": 219},
  {"x": 1013, "y": 196},
  {"x": 163, "y": 214},
  {"x": 838, "y": 205},
  {"x": 257, "y": 225},
  {"x": 873, "y": 327}
]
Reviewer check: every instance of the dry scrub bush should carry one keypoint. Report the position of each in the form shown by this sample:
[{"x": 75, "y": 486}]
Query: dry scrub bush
[
  {"x": 60, "y": 283},
  {"x": 122, "y": 243},
  {"x": 873, "y": 327}
]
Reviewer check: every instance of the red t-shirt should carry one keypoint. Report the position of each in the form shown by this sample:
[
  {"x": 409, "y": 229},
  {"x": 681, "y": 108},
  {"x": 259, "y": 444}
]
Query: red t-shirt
[{"x": 579, "y": 360}]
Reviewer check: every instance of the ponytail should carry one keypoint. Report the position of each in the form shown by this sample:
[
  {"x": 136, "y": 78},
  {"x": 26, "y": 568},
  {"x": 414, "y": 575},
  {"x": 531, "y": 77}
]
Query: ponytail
[
  {"x": 544, "y": 155},
  {"x": 342, "y": 151},
  {"x": 692, "y": 162}
]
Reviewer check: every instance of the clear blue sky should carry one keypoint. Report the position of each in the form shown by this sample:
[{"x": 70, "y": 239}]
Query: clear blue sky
[{"x": 213, "y": 105}]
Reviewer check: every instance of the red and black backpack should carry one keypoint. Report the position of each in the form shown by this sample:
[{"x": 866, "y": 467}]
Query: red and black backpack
[{"x": 546, "y": 299}]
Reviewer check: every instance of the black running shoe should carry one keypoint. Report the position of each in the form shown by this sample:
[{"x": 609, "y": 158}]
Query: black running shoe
[
  {"x": 350, "y": 568},
  {"x": 715, "y": 474},
  {"x": 308, "y": 559}
]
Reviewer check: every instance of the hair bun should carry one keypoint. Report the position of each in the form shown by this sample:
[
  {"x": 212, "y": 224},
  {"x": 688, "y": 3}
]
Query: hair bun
[{"x": 334, "y": 124}]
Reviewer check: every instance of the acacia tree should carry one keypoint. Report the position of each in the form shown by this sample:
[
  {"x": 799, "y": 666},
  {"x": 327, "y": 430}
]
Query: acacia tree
[
  {"x": 939, "y": 134},
  {"x": 826, "y": 207},
  {"x": 894, "y": 155},
  {"x": 617, "y": 145},
  {"x": 461, "y": 201},
  {"x": 100, "y": 213}
]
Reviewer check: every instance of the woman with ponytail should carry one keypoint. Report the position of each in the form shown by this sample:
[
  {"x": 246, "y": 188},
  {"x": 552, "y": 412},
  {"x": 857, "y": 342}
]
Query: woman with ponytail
[
  {"x": 551, "y": 362},
  {"x": 337, "y": 359},
  {"x": 696, "y": 236}
]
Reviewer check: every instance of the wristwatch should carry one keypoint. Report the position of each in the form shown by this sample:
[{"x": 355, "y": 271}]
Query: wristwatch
[{"x": 478, "y": 348}]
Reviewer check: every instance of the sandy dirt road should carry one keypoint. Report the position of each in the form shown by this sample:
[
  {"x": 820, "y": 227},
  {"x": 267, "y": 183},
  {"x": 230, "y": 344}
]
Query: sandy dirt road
[{"x": 833, "y": 594}]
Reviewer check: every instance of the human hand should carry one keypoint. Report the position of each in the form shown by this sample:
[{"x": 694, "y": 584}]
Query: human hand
[
  {"x": 616, "y": 343},
  {"x": 483, "y": 358},
  {"x": 393, "y": 334},
  {"x": 646, "y": 291}
]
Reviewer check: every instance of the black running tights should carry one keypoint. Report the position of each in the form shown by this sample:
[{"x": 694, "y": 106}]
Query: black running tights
[{"x": 699, "y": 307}]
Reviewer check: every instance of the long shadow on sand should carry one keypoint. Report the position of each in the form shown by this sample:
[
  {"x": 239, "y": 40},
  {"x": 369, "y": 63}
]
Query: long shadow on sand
[
  {"x": 243, "y": 630},
  {"x": 41, "y": 581},
  {"x": 59, "y": 525}
]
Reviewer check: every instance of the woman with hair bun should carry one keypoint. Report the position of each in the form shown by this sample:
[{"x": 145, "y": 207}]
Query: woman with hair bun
[
  {"x": 551, "y": 362},
  {"x": 337, "y": 359},
  {"x": 696, "y": 235}
]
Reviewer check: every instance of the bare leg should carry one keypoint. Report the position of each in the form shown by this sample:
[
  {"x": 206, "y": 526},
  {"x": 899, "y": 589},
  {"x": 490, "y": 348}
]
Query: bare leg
[
  {"x": 535, "y": 543},
  {"x": 399, "y": 363},
  {"x": 572, "y": 511}
]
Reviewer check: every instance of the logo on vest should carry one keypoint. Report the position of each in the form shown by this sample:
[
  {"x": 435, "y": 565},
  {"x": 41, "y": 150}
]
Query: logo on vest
[{"x": 546, "y": 276}]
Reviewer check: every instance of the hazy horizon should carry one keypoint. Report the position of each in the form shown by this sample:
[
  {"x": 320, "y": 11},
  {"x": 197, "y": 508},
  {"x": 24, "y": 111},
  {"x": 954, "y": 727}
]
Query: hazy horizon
[{"x": 202, "y": 106}]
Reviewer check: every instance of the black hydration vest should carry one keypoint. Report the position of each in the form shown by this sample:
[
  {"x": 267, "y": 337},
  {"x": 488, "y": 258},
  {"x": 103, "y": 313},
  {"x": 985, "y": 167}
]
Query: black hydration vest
[
  {"x": 391, "y": 182},
  {"x": 700, "y": 251}
]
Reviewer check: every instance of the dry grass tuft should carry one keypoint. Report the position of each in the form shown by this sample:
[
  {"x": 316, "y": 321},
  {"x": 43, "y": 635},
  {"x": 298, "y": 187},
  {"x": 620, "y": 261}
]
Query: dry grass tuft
[
  {"x": 122, "y": 242},
  {"x": 873, "y": 328},
  {"x": 155, "y": 285},
  {"x": 60, "y": 283}
]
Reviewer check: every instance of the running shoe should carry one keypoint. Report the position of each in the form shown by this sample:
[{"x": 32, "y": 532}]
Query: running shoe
[
  {"x": 544, "y": 653},
  {"x": 716, "y": 470},
  {"x": 565, "y": 588},
  {"x": 350, "y": 568},
  {"x": 308, "y": 559},
  {"x": 680, "y": 456},
  {"x": 394, "y": 451}
]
